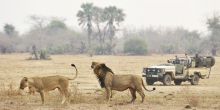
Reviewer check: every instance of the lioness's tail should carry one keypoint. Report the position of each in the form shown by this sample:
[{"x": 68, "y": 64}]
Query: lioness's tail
[
  {"x": 73, "y": 65},
  {"x": 146, "y": 88}
]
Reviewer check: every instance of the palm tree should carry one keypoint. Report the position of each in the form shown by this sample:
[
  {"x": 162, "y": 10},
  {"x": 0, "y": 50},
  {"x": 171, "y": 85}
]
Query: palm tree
[
  {"x": 98, "y": 19},
  {"x": 85, "y": 19},
  {"x": 113, "y": 16}
]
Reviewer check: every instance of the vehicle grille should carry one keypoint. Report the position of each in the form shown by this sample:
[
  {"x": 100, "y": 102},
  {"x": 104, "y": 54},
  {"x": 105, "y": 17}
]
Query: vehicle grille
[{"x": 152, "y": 71}]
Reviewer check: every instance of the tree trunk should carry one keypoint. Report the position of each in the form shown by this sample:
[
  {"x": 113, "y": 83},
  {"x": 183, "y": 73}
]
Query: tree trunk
[
  {"x": 101, "y": 40},
  {"x": 111, "y": 35},
  {"x": 89, "y": 25},
  {"x": 34, "y": 49},
  {"x": 214, "y": 51}
]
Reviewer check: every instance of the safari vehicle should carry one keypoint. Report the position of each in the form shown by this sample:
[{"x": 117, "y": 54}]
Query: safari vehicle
[{"x": 179, "y": 70}]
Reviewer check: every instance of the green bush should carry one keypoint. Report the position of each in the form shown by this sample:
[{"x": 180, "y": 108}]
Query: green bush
[
  {"x": 44, "y": 55},
  {"x": 135, "y": 46}
]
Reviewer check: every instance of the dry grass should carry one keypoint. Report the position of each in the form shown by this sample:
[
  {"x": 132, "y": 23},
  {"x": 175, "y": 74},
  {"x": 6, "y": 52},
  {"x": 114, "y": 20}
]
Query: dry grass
[
  {"x": 191, "y": 99},
  {"x": 85, "y": 90}
]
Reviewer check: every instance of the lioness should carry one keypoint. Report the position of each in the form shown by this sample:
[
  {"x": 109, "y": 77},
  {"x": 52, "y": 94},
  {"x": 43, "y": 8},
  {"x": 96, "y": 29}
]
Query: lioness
[
  {"x": 48, "y": 83},
  {"x": 110, "y": 81}
]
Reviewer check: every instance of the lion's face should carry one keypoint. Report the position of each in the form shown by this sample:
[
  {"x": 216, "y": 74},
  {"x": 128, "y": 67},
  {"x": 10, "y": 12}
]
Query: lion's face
[
  {"x": 94, "y": 64},
  {"x": 23, "y": 83}
]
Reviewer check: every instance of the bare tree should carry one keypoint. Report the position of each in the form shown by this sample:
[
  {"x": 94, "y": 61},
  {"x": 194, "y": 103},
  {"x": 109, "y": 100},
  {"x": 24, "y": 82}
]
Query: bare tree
[{"x": 214, "y": 27}]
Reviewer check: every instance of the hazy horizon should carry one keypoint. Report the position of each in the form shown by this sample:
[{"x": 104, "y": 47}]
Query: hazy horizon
[{"x": 189, "y": 14}]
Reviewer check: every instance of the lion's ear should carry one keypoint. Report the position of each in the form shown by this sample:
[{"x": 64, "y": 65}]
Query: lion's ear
[
  {"x": 102, "y": 65},
  {"x": 25, "y": 79},
  {"x": 93, "y": 63}
]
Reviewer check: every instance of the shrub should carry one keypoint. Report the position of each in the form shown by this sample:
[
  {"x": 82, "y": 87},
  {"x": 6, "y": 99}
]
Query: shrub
[
  {"x": 135, "y": 46},
  {"x": 44, "y": 55},
  {"x": 39, "y": 55}
]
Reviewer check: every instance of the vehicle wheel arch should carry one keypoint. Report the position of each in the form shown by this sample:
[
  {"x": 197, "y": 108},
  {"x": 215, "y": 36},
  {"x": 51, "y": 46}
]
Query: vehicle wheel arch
[
  {"x": 198, "y": 73},
  {"x": 171, "y": 74}
]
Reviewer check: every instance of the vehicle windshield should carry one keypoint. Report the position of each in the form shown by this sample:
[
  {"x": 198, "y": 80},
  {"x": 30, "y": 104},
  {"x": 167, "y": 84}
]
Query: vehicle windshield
[
  {"x": 180, "y": 60},
  {"x": 166, "y": 64}
]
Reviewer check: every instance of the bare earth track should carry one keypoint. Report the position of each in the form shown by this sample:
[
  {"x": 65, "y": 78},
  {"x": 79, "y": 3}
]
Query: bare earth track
[{"x": 86, "y": 93}]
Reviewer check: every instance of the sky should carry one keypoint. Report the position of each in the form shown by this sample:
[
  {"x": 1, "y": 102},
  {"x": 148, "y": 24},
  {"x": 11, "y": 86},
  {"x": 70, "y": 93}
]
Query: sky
[{"x": 189, "y": 14}]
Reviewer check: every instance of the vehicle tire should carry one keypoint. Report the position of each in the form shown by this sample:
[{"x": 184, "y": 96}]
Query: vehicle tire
[
  {"x": 150, "y": 82},
  {"x": 167, "y": 80},
  {"x": 177, "y": 82},
  {"x": 195, "y": 79}
]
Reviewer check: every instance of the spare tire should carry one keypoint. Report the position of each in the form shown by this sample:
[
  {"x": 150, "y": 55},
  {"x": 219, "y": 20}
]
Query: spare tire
[{"x": 209, "y": 61}]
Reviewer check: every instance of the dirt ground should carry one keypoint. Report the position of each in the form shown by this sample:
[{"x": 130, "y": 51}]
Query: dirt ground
[{"x": 86, "y": 92}]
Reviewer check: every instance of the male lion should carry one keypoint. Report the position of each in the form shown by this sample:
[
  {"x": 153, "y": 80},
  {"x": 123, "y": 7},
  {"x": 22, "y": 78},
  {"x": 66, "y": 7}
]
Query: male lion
[
  {"x": 110, "y": 81},
  {"x": 48, "y": 83}
]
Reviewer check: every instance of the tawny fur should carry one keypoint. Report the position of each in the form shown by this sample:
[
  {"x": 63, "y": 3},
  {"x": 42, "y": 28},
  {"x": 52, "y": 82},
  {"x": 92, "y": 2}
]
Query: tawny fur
[
  {"x": 48, "y": 83},
  {"x": 119, "y": 82}
]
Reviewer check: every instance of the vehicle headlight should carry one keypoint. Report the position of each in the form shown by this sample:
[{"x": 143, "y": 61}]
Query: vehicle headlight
[{"x": 158, "y": 71}]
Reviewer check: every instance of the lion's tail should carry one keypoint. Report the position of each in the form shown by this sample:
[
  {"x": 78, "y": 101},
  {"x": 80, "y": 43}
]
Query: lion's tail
[
  {"x": 73, "y": 65},
  {"x": 146, "y": 88}
]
